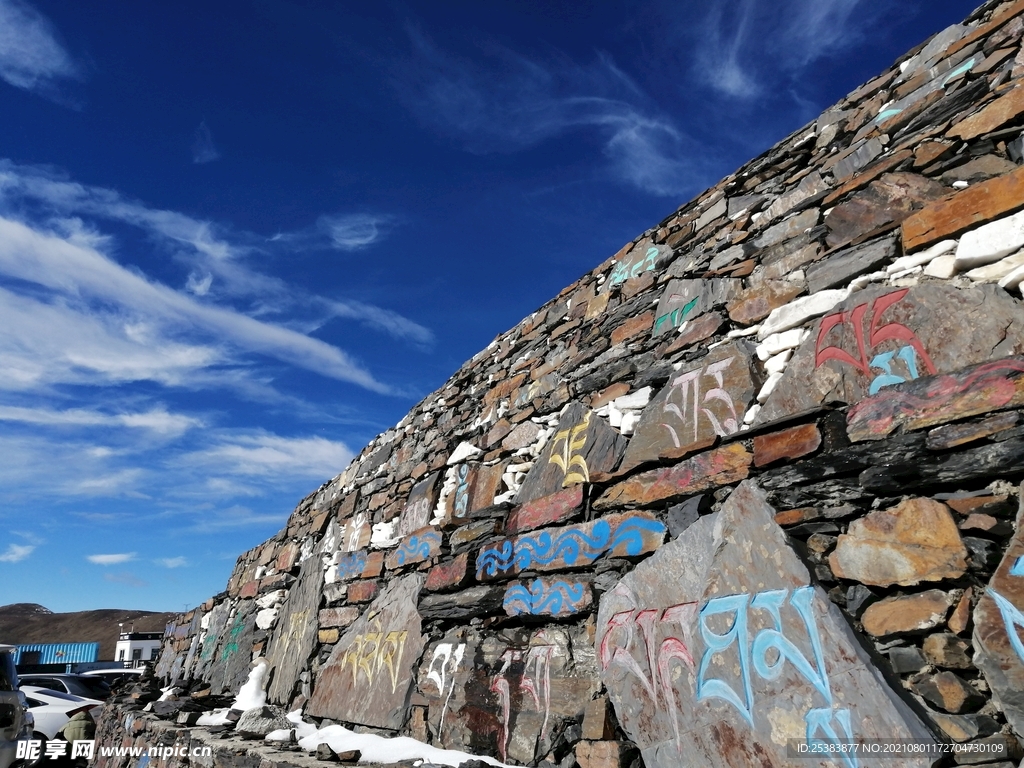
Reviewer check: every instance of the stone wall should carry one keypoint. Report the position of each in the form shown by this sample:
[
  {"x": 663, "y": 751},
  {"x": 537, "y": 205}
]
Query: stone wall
[{"x": 753, "y": 478}]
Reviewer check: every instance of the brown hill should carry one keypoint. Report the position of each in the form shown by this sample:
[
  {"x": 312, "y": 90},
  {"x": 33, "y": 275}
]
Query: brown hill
[{"x": 31, "y": 623}]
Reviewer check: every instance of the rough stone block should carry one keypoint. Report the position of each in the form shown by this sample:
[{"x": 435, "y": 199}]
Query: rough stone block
[
  {"x": 908, "y": 613},
  {"x": 915, "y": 541},
  {"x": 416, "y": 547},
  {"x": 992, "y": 116},
  {"x": 601, "y": 754},
  {"x": 337, "y": 617},
  {"x": 363, "y": 591},
  {"x": 549, "y": 596},
  {"x": 547, "y": 510},
  {"x": 447, "y": 575}
]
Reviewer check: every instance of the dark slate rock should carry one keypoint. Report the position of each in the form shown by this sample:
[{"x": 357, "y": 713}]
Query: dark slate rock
[
  {"x": 295, "y": 633},
  {"x": 839, "y": 269},
  {"x": 906, "y": 660},
  {"x": 859, "y": 597},
  {"x": 475, "y": 601},
  {"x": 682, "y": 516},
  {"x": 674, "y": 661}
]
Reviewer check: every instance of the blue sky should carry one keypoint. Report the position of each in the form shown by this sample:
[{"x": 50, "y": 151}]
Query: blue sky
[{"x": 239, "y": 239}]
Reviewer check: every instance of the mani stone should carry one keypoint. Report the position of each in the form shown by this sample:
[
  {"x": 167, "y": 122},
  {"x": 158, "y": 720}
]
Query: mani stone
[
  {"x": 882, "y": 337},
  {"x": 368, "y": 676},
  {"x": 700, "y": 403},
  {"x": 690, "y": 646},
  {"x": 909, "y": 613},
  {"x": 888, "y": 200},
  {"x": 293, "y": 638},
  {"x": 420, "y": 506},
  {"x": 234, "y": 654},
  {"x": 998, "y": 628},
  {"x": 583, "y": 444},
  {"x": 684, "y": 300},
  {"x": 915, "y": 541}
]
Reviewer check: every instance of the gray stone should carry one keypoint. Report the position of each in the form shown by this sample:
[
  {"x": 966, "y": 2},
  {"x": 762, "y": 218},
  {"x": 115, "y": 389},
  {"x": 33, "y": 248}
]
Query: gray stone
[
  {"x": 906, "y": 660},
  {"x": 788, "y": 228},
  {"x": 690, "y": 654},
  {"x": 859, "y": 597},
  {"x": 810, "y": 189},
  {"x": 998, "y": 625},
  {"x": 684, "y": 300},
  {"x": 839, "y": 269},
  {"x": 234, "y": 653},
  {"x": 211, "y": 641},
  {"x": 857, "y": 159},
  {"x": 682, "y": 516},
  {"x": 295, "y": 633},
  {"x": 259, "y": 721},
  {"x": 370, "y": 671}
]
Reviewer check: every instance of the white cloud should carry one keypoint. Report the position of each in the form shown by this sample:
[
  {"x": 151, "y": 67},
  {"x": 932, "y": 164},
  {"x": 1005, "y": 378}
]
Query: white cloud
[
  {"x": 236, "y": 517},
  {"x": 510, "y": 103},
  {"x": 203, "y": 150},
  {"x": 158, "y": 421},
  {"x": 353, "y": 231},
  {"x": 16, "y": 553},
  {"x": 30, "y": 56},
  {"x": 115, "y": 559},
  {"x": 173, "y": 562},
  {"x": 263, "y": 454}
]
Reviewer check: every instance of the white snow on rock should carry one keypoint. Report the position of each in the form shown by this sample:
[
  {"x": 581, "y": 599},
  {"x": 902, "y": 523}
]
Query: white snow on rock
[
  {"x": 250, "y": 696},
  {"x": 801, "y": 310},
  {"x": 463, "y": 452},
  {"x": 990, "y": 242}
]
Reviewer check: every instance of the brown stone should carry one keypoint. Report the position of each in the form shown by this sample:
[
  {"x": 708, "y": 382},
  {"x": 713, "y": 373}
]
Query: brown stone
[
  {"x": 704, "y": 327},
  {"x": 547, "y": 510},
  {"x": 701, "y": 402},
  {"x": 788, "y": 444},
  {"x": 598, "y": 720},
  {"x": 327, "y": 636},
  {"x": 417, "y": 547},
  {"x": 961, "y": 211},
  {"x": 607, "y": 394},
  {"x": 548, "y": 596},
  {"x": 471, "y": 531},
  {"x": 756, "y": 303},
  {"x": 601, "y": 754},
  {"x": 946, "y": 650},
  {"x": 892, "y": 198},
  {"x": 706, "y": 470},
  {"x": 910, "y": 613},
  {"x": 337, "y": 617},
  {"x": 970, "y": 504},
  {"x": 961, "y": 616},
  {"x": 933, "y": 400},
  {"x": 633, "y": 327},
  {"x": 993, "y": 115},
  {"x": 420, "y": 505},
  {"x": 363, "y": 591},
  {"x": 949, "y": 692},
  {"x": 796, "y": 516},
  {"x": 249, "y": 589},
  {"x": 288, "y": 557},
  {"x": 447, "y": 575},
  {"x": 912, "y": 542},
  {"x": 864, "y": 178},
  {"x": 929, "y": 151},
  {"x": 952, "y": 435}
]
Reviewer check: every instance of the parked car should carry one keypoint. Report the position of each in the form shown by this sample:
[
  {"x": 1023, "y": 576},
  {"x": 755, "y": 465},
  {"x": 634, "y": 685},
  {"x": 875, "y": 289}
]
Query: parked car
[
  {"x": 116, "y": 675},
  {"x": 13, "y": 712},
  {"x": 76, "y": 685},
  {"x": 52, "y": 709}
]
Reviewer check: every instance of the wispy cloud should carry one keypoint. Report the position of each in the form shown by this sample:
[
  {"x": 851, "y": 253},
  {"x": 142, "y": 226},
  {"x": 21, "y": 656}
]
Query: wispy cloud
[
  {"x": 203, "y": 150},
  {"x": 235, "y": 517},
  {"x": 173, "y": 562},
  {"x": 260, "y": 454},
  {"x": 158, "y": 421},
  {"x": 15, "y": 553},
  {"x": 115, "y": 559},
  {"x": 30, "y": 56},
  {"x": 126, "y": 578},
  {"x": 505, "y": 102},
  {"x": 743, "y": 49},
  {"x": 353, "y": 231}
]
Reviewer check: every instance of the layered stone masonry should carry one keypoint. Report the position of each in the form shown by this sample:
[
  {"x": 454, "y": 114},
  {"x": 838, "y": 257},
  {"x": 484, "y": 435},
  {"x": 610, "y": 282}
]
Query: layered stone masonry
[{"x": 751, "y": 479}]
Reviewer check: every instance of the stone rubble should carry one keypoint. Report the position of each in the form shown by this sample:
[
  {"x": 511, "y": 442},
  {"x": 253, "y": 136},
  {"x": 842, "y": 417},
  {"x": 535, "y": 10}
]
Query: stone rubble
[{"x": 831, "y": 339}]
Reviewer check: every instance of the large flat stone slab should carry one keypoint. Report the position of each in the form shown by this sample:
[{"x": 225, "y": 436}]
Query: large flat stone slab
[
  {"x": 583, "y": 444},
  {"x": 420, "y": 506},
  {"x": 881, "y": 337},
  {"x": 718, "y": 650},
  {"x": 294, "y": 636},
  {"x": 700, "y": 403},
  {"x": 999, "y": 631},
  {"x": 685, "y": 300},
  {"x": 370, "y": 671},
  {"x": 234, "y": 652}
]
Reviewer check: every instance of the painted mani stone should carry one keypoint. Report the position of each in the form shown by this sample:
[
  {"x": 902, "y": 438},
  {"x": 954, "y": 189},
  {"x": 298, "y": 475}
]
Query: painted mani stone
[
  {"x": 234, "y": 651},
  {"x": 718, "y": 649},
  {"x": 644, "y": 257},
  {"x": 881, "y": 337},
  {"x": 574, "y": 546},
  {"x": 415, "y": 548},
  {"x": 295, "y": 633},
  {"x": 583, "y": 444},
  {"x": 685, "y": 300},
  {"x": 547, "y": 597},
  {"x": 999, "y": 631},
  {"x": 420, "y": 506},
  {"x": 700, "y": 403},
  {"x": 215, "y": 627},
  {"x": 366, "y": 679},
  {"x": 507, "y": 694}
]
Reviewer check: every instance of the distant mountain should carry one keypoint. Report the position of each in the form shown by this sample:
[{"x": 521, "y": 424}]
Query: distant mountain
[{"x": 22, "y": 623}]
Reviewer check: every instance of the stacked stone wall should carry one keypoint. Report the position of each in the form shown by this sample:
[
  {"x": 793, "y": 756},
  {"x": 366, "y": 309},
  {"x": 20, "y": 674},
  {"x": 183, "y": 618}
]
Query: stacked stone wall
[{"x": 753, "y": 479}]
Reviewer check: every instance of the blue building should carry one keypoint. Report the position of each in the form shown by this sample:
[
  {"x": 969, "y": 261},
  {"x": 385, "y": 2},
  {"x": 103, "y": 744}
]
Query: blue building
[{"x": 48, "y": 656}]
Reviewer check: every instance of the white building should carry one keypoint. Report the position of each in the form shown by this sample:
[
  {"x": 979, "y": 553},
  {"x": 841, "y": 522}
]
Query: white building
[{"x": 137, "y": 648}]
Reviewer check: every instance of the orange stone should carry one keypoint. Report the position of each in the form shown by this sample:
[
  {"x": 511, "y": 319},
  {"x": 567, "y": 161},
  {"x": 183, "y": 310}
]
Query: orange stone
[
  {"x": 961, "y": 211},
  {"x": 911, "y": 613},
  {"x": 633, "y": 327},
  {"x": 447, "y": 575},
  {"x": 992, "y": 116},
  {"x": 788, "y": 444}
]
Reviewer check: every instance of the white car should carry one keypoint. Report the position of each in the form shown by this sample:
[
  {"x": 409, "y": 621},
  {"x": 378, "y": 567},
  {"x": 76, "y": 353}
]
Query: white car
[
  {"x": 52, "y": 709},
  {"x": 115, "y": 675}
]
